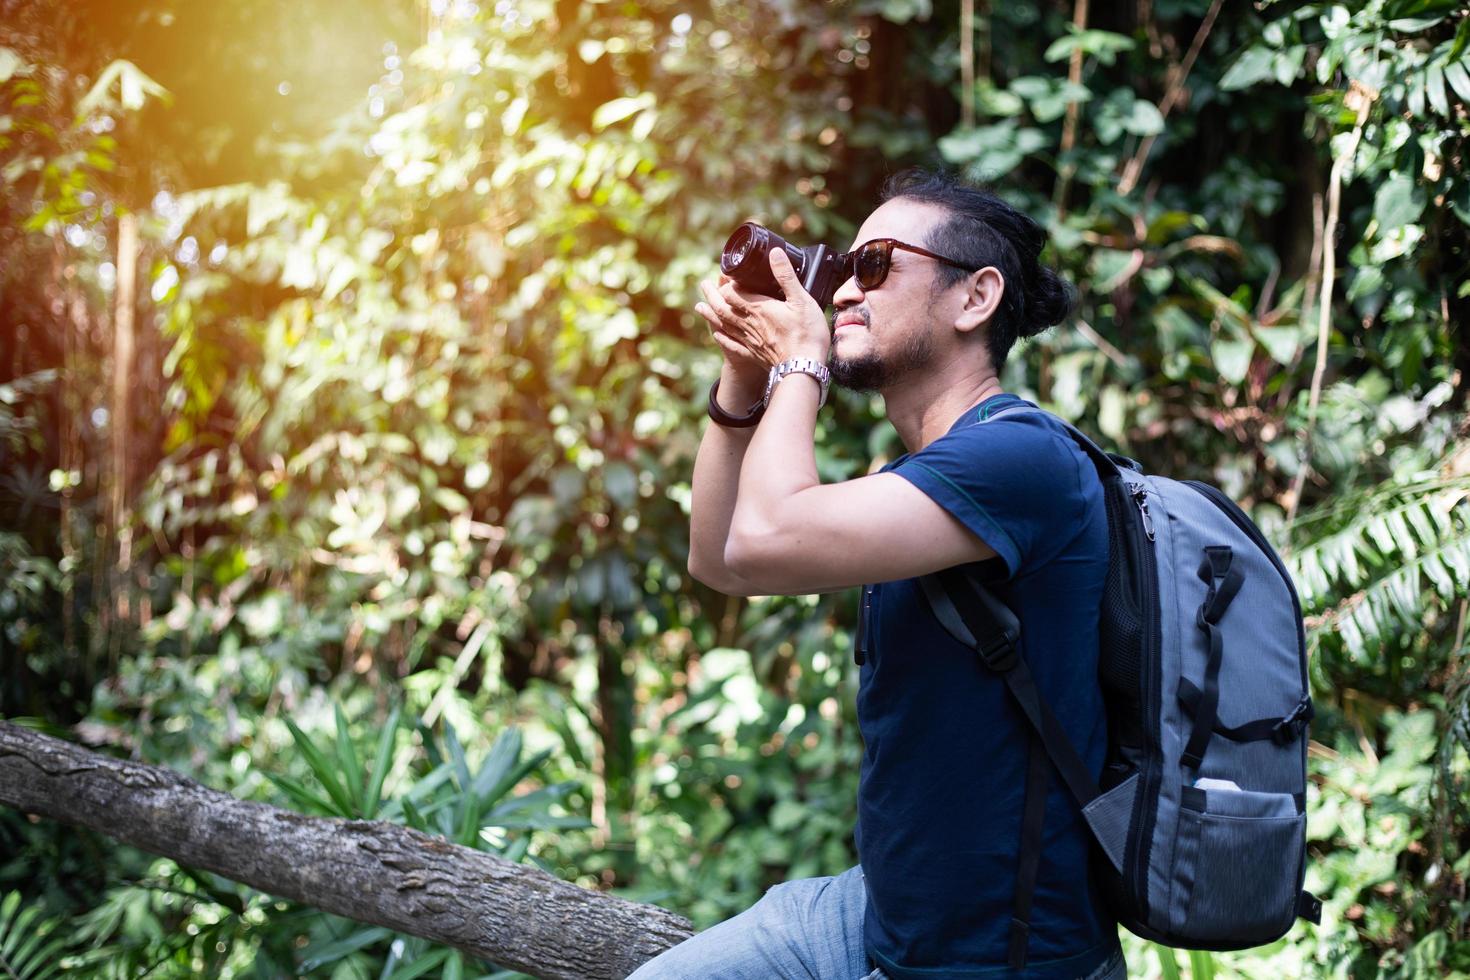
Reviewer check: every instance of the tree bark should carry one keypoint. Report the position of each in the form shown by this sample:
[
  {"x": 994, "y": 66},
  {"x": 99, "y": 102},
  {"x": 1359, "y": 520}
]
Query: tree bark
[{"x": 513, "y": 915}]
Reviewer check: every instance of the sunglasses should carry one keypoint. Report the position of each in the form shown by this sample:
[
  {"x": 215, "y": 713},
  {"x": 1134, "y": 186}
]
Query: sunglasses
[{"x": 870, "y": 261}]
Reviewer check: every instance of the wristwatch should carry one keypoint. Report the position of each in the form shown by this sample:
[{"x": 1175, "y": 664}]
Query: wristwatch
[{"x": 799, "y": 365}]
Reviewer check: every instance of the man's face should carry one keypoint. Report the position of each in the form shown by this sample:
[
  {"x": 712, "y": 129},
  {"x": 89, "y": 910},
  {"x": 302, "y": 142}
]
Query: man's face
[{"x": 883, "y": 335}]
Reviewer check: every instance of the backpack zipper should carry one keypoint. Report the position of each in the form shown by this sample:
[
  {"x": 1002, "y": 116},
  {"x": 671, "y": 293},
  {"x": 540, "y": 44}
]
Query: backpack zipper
[
  {"x": 1149, "y": 673},
  {"x": 1140, "y": 497}
]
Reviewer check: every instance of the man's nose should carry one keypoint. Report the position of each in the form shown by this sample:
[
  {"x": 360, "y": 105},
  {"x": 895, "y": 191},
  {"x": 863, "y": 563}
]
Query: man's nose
[{"x": 848, "y": 294}]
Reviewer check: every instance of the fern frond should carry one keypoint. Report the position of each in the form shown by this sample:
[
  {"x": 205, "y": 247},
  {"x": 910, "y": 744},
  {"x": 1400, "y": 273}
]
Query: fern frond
[
  {"x": 1384, "y": 561},
  {"x": 25, "y": 953},
  {"x": 1401, "y": 599},
  {"x": 1339, "y": 511},
  {"x": 1380, "y": 531}
]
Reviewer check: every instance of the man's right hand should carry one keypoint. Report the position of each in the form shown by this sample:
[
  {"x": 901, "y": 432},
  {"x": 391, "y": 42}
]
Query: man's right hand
[{"x": 743, "y": 377}]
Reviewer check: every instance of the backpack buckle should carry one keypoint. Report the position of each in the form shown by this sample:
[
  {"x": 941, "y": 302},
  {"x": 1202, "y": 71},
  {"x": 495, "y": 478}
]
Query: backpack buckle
[
  {"x": 998, "y": 653},
  {"x": 1290, "y": 728}
]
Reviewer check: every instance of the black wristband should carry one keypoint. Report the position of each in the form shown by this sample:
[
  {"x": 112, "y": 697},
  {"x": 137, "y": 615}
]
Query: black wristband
[{"x": 724, "y": 418}]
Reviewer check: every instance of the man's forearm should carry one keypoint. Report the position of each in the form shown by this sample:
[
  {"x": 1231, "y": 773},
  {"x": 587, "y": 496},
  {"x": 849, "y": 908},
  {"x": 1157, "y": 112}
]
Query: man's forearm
[
  {"x": 717, "y": 469},
  {"x": 780, "y": 463}
]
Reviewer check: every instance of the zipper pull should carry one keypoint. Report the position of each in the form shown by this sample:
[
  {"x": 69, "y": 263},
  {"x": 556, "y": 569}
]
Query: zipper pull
[
  {"x": 1140, "y": 496},
  {"x": 860, "y": 645}
]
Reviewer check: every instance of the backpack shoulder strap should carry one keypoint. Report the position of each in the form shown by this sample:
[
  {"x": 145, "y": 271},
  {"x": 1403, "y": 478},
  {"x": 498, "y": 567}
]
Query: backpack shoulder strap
[{"x": 974, "y": 616}]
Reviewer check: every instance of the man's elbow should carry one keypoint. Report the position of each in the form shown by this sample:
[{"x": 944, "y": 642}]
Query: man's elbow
[
  {"x": 748, "y": 553},
  {"x": 715, "y": 575},
  {"x": 701, "y": 570}
]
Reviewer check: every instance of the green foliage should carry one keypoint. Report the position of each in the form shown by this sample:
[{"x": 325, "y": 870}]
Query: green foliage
[
  {"x": 27, "y": 949},
  {"x": 341, "y": 774},
  {"x": 757, "y": 784},
  {"x": 1388, "y": 855},
  {"x": 1384, "y": 561},
  {"x": 52, "y": 161}
]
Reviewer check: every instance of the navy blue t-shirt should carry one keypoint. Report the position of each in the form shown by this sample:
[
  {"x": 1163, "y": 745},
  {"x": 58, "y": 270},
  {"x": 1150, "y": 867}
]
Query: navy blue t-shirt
[{"x": 944, "y": 762}]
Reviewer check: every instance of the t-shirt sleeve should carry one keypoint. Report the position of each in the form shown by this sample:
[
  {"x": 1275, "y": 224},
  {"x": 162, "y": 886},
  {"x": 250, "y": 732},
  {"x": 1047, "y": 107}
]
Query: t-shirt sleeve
[{"x": 1015, "y": 483}]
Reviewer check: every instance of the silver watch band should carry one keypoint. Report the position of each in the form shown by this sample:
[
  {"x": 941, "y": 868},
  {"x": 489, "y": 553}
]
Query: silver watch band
[{"x": 799, "y": 365}]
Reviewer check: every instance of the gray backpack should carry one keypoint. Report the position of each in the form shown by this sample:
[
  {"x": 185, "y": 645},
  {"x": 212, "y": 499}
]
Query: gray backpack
[{"x": 1199, "y": 816}]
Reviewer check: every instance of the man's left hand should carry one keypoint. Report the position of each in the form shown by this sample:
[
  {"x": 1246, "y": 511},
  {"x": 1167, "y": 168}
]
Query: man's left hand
[{"x": 772, "y": 330}]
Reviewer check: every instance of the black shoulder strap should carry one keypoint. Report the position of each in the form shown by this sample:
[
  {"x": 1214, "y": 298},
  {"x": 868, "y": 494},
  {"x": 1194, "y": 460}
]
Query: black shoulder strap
[
  {"x": 974, "y": 616},
  {"x": 1033, "y": 836}
]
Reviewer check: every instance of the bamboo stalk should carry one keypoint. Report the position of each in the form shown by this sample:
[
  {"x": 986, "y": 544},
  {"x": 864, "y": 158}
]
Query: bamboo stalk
[{"x": 67, "y": 454}]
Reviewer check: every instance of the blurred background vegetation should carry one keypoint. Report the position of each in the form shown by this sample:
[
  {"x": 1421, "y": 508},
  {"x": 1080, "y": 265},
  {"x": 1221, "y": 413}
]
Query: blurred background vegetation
[{"x": 349, "y": 390}]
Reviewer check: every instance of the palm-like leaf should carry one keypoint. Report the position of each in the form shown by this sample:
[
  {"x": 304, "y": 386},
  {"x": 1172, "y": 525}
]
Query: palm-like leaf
[
  {"x": 27, "y": 951},
  {"x": 350, "y": 791},
  {"x": 472, "y": 807},
  {"x": 1375, "y": 563}
]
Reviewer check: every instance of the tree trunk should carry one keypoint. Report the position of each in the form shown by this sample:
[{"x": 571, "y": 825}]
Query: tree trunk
[{"x": 513, "y": 915}]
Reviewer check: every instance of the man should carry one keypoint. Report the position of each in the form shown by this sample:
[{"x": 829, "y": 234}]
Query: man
[{"x": 945, "y": 279}]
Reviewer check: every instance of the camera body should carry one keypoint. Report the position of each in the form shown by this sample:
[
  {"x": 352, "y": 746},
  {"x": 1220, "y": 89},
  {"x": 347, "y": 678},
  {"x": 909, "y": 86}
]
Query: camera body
[{"x": 746, "y": 259}]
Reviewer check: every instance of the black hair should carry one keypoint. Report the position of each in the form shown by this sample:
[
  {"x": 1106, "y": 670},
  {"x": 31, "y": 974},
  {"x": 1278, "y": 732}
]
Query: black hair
[{"x": 983, "y": 230}]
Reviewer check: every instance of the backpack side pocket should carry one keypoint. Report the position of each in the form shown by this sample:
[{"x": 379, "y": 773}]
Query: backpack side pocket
[{"x": 1229, "y": 887}]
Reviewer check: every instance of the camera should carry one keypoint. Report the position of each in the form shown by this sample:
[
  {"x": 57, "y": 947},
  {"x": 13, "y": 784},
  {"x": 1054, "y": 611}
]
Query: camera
[{"x": 746, "y": 259}]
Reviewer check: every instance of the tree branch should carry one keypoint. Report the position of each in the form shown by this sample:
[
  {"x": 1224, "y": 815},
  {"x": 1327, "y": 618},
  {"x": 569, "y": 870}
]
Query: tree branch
[
  {"x": 1361, "y": 98},
  {"x": 1172, "y": 97},
  {"x": 513, "y": 915},
  {"x": 1074, "y": 110},
  {"x": 967, "y": 63}
]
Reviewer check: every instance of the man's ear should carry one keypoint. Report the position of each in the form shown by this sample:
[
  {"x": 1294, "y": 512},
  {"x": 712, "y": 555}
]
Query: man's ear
[{"x": 983, "y": 293}]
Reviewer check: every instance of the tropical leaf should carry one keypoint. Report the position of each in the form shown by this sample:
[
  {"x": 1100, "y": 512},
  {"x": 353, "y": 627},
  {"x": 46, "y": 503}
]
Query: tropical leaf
[
  {"x": 326, "y": 772},
  {"x": 1373, "y": 563},
  {"x": 27, "y": 949}
]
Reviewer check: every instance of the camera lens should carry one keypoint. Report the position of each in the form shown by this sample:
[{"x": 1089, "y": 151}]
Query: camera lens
[
  {"x": 746, "y": 258},
  {"x": 739, "y": 245},
  {"x": 743, "y": 248}
]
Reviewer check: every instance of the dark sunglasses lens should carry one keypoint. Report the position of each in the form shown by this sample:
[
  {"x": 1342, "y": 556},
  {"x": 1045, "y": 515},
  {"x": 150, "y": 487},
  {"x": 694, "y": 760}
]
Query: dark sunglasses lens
[{"x": 871, "y": 266}]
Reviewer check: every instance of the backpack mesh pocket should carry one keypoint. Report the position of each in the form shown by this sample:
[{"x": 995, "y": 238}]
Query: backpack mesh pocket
[{"x": 1232, "y": 881}]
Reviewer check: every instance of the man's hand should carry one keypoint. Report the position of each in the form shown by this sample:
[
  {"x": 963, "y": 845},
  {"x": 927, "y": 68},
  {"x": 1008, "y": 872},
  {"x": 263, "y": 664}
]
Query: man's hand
[
  {"x": 755, "y": 329},
  {"x": 744, "y": 376}
]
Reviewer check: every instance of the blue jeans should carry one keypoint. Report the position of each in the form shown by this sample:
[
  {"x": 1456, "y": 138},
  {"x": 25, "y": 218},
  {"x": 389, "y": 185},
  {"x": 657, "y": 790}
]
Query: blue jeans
[{"x": 810, "y": 929}]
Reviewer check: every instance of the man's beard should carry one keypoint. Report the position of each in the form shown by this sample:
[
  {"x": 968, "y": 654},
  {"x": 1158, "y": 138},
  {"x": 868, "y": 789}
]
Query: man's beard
[{"x": 872, "y": 372}]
